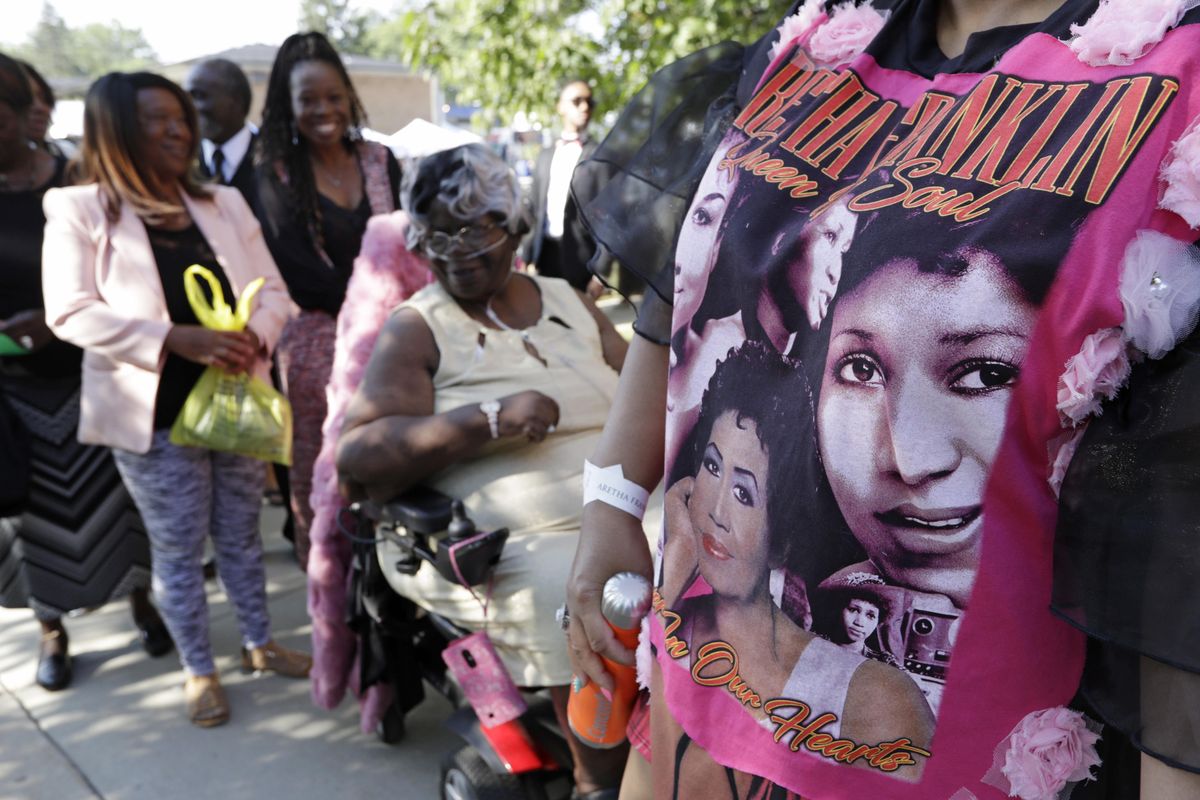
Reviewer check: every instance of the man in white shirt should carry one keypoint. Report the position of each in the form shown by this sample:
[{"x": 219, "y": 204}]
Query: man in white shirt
[
  {"x": 221, "y": 93},
  {"x": 559, "y": 244}
]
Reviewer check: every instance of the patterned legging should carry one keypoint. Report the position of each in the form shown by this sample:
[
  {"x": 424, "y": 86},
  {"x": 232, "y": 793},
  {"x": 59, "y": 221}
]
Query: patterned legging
[{"x": 184, "y": 495}]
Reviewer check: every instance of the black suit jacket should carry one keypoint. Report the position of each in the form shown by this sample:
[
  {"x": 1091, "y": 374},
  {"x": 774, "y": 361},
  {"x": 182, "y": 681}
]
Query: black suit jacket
[
  {"x": 576, "y": 246},
  {"x": 243, "y": 178}
]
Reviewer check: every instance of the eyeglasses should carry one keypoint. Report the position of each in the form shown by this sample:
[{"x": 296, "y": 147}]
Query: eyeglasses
[
  {"x": 468, "y": 241},
  {"x": 582, "y": 101}
]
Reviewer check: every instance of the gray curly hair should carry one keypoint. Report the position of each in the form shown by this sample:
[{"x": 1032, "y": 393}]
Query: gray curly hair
[{"x": 470, "y": 181}]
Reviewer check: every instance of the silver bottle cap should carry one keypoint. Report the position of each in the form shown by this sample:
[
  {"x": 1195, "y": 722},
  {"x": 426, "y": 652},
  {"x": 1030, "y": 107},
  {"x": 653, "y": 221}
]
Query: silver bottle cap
[{"x": 626, "y": 600}]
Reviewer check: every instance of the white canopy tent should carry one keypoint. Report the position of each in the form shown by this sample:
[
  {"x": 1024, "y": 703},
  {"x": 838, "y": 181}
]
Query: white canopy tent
[{"x": 420, "y": 138}]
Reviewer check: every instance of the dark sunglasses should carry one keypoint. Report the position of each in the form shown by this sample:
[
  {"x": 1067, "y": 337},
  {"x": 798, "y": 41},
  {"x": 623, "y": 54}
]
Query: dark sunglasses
[{"x": 582, "y": 101}]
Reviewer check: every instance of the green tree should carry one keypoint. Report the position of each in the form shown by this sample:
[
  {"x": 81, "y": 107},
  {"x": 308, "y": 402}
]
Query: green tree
[
  {"x": 510, "y": 55},
  {"x": 345, "y": 27},
  {"x": 58, "y": 51}
]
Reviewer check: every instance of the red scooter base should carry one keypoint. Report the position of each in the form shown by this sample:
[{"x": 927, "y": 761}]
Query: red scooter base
[{"x": 516, "y": 750}]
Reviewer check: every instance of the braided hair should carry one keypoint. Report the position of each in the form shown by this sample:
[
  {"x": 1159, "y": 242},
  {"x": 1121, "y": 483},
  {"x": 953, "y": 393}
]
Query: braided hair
[{"x": 281, "y": 148}]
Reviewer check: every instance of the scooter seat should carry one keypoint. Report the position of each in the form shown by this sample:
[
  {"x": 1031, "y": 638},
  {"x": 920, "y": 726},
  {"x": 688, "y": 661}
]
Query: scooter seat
[{"x": 421, "y": 510}]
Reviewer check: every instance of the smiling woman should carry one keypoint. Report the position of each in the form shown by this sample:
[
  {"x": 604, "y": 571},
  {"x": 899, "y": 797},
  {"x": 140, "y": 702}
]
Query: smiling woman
[
  {"x": 51, "y": 536},
  {"x": 491, "y": 386},
  {"x": 914, "y": 498},
  {"x": 928, "y": 376},
  {"x": 317, "y": 183},
  {"x": 116, "y": 249},
  {"x": 745, "y": 517}
]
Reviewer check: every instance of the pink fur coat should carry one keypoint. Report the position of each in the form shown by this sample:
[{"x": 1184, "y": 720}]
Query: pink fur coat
[{"x": 385, "y": 275}]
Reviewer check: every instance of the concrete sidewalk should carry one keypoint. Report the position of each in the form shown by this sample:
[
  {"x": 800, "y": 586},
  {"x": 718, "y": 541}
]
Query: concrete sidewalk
[{"x": 119, "y": 731}]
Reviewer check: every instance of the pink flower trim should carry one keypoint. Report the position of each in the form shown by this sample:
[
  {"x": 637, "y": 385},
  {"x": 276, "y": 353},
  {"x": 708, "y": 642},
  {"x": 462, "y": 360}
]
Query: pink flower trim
[
  {"x": 846, "y": 33},
  {"x": 1097, "y": 371},
  {"x": 1046, "y": 751},
  {"x": 1122, "y": 31},
  {"x": 797, "y": 25},
  {"x": 1061, "y": 450},
  {"x": 1181, "y": 174}
]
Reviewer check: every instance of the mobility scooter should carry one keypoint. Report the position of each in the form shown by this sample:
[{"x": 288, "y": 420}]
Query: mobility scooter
[{"x": 525, "y": 758}]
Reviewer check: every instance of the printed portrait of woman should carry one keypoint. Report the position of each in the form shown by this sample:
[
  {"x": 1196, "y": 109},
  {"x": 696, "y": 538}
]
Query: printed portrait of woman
[
  {"x": 743, "y": 515},
  {"x": 810, "y": 279},
  {"x": 926, "y": 341},
  {"x": 856, "y": 610},
  {"x": 701, "y": 332},
  {"x": 798, "y": 273},
  {"x": 789, "y": 277}
]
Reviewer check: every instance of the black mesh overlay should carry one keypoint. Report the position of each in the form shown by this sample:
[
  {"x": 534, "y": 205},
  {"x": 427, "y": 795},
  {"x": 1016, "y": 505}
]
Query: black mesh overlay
[
  {"x": 656, "y": 154},
  {"x": 1127, "y": 557}
]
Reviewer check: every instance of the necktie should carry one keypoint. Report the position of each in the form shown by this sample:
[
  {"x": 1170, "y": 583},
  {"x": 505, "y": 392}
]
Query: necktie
[{"x": 218, "y": 165}]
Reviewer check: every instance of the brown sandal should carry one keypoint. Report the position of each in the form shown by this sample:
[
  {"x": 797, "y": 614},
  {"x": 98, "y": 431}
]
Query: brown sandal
[
  {"x": 207, "y": 705},
  {"x": 272, "y": 657}
]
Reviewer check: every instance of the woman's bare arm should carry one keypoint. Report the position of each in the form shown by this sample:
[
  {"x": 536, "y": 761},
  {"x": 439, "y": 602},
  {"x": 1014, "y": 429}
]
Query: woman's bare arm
[
  {"x": 1161, "y": 782},
  {"x": 392, "y": 439},
  {"x": 612, "y": 344},
  {"x": 611, "y": 540}
]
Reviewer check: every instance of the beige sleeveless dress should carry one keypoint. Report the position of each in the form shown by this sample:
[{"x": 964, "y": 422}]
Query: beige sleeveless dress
[{"x": 535, "y": 490}]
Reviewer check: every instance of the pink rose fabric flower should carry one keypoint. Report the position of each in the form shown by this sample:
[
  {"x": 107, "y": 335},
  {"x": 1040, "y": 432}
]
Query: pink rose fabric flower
[
  {"x": 846, "y": 34},
  {"x": 1160, "y": 292},
  {"x": 1122, "y": 31},
  {"x": 1061, "y": 450},
  {"x": 1097, "y": 371},
  {"x": 1047, "y": 750},
  {"x": 1181, "y": 174},
  {"x": 797, "y": 25}
]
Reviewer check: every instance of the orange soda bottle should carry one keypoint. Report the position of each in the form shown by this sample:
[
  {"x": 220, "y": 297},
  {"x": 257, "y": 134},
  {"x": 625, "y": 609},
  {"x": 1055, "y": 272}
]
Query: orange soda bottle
[{"x": 594, "y": 719}]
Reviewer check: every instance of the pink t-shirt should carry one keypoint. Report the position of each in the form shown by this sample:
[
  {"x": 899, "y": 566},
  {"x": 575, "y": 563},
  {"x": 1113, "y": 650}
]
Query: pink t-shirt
[{"x": 878, "y": 283}]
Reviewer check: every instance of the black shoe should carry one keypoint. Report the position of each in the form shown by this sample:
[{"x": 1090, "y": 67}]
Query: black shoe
[
  {"x": 391, "y": 728},
  {"x": 54, "y": 662},
  {"x": 156, "y": 640}
]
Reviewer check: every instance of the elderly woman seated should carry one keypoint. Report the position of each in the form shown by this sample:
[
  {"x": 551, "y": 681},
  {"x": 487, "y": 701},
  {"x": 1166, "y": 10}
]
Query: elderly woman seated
[{"x": 492, "y": 386}]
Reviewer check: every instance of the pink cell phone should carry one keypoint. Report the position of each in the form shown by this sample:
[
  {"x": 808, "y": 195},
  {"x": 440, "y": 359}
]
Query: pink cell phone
[{"x": 488, "y": 687}]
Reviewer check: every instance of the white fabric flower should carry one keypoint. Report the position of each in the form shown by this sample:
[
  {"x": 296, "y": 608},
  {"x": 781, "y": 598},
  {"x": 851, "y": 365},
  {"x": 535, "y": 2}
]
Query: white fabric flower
[
  {"x": 1122, "y": 31},
  {"x": 1160, "y": 292},
  {"x": 1181, "y": 174}
]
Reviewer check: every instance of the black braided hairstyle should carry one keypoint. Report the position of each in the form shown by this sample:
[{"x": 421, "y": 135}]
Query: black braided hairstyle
[{"x": 276, "y": 145}]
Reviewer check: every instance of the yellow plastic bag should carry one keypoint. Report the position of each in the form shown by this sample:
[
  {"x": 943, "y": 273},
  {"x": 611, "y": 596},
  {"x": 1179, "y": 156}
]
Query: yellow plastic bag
[{"x": 232, "y": 413}]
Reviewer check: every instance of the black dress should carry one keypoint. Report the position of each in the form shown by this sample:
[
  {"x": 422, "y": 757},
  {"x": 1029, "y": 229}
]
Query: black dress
[{"x": 77, "y": 540}]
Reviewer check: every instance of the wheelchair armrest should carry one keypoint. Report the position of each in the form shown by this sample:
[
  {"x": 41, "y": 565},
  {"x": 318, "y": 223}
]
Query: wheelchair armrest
[{"x": 420, "y": 510}]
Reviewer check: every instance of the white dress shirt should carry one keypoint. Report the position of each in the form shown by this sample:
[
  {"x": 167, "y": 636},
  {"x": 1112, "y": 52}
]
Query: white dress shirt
[
  {"x": 235, "y": 149},
  {"x": 562, "y": 167}
]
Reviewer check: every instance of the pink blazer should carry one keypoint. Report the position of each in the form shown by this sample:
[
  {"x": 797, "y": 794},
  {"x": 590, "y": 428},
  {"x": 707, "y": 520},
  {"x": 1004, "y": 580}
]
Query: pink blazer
[{"x": 103, "y": 293}]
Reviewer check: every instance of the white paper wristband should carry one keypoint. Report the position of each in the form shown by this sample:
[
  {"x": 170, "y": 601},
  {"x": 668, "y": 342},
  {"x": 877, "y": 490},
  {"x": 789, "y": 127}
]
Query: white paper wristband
[{"x": 609, "y": 485}]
